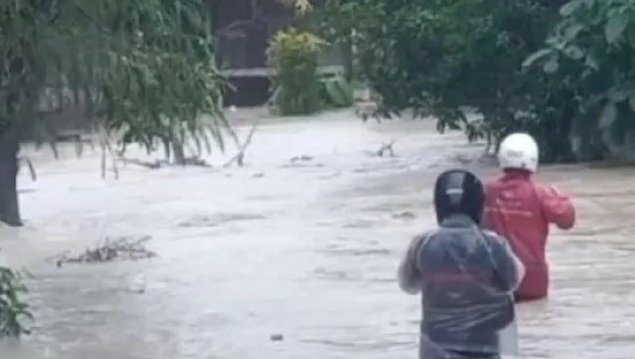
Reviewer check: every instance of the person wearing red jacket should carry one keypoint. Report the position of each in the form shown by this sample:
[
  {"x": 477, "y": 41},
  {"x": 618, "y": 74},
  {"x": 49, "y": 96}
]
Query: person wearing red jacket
[{"x": 520, "y": 209}]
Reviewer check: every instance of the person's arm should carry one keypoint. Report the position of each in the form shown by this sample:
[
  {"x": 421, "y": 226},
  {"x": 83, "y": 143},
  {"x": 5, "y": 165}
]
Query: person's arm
[
  {"x": 556, "y": 206},
  {"x": 409, "y": 276},
  {"x": 518, "y": 265},
  {"x": 510, "y": 269},
  {"x": 486, "y": 220}
]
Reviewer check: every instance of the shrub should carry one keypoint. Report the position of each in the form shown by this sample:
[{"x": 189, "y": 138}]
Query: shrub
[
  {"x": 293, "y": 55},
  {"x": 449, "y": 59},
  {"x": 336, "y": 91},
  {"x": 13, "y": 310}
]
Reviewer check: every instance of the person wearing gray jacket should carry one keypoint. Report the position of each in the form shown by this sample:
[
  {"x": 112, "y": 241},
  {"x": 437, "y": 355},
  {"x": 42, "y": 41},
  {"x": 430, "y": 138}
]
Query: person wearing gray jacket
[{"x": 466, "y": 275}]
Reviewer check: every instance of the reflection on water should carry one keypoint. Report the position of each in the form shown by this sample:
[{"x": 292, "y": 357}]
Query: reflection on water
[{"x": 306, "y": 249}]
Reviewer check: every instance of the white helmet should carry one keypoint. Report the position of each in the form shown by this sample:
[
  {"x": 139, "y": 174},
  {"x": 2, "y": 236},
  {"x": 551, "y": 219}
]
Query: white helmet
[{"x": 518, "y": 151}]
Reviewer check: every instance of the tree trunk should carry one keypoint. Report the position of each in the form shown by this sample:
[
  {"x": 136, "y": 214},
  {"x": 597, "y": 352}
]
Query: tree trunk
[
  {"x": 9, "y": 147},
  {"x": 179, "y": 153},
  {"x": 348, "y": 59}
]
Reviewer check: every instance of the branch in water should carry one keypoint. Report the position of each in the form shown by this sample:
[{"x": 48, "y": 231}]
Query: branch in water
[
  {"x": 30, "y": 166},
  {"x": 188, "y": 161},
  {"x": 108, "y": 250},
  {"x": 104, "y": 142},
  {"x": 240, "y": 156},
  {"x": 386, "y": 147},
  {"x": 146, "y": 164}
]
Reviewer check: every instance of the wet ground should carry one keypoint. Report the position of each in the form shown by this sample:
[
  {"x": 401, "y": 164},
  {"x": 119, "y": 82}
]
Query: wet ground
[{"x": 304, "y": 251}]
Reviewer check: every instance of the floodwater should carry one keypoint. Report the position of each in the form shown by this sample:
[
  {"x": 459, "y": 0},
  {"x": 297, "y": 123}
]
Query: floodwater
[{"x": 304, "y": 251}]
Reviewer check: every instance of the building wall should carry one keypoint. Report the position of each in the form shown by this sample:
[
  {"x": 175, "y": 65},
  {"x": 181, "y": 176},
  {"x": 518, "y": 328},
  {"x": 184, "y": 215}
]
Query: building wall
[{"x": 243, "y": 30}]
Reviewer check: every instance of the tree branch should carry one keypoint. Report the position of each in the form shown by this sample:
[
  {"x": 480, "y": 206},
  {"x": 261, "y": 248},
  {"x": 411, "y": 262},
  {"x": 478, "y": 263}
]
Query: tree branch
[
  {"x": 386, "y": 147},
  {"x": 240, "y": 156}
]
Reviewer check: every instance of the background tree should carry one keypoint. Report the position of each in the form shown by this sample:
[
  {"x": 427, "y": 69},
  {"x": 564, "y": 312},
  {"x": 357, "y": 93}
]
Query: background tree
[
  {"x": 302, "y": 6},
  {"x": 448, "y": 59},
  {"x": 591, "y": 49},
  {"x": 140, "y": 69}
]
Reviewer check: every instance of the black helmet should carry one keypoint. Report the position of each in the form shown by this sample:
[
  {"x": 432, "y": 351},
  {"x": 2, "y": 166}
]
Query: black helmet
[{"x": 459, "y": 192}]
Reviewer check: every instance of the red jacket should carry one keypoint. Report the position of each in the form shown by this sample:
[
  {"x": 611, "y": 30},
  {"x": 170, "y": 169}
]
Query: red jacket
[{"x": 521, "y": 210}]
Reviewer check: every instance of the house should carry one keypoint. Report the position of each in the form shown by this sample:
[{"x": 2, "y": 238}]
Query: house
[{"x": 243, "y": 30}]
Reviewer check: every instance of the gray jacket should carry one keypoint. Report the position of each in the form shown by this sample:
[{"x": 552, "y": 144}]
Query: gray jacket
[{"x": 466, "y": 276}]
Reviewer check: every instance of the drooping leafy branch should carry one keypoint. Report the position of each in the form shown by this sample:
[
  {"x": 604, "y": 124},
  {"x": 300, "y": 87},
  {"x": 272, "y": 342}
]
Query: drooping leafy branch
[
  {"x": 145, "y": 68},
  {"x": 13, "y": 310},
  {"x": 141, "y": 70}
]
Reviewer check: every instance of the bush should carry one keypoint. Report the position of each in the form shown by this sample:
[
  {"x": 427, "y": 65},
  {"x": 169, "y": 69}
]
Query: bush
[
  {"x": 13, "y": 311},
  {"x": 293, "y": 55},
  {"x": 336, "y": 91},
  {"x": 441, "y": 57}
]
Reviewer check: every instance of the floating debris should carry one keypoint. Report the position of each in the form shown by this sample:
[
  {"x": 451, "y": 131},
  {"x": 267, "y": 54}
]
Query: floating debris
[
  {"x": 138, "y": 284},
  {"x": 219, "y": 219},
  {"x": 404, "y": 215},
  {"x": 108, "y": 250},
  {"x": 277, "y": 337},
  {"x": 188, "y": 161},
  {"x": 297, "y": 164},
  {"x": 301, "y": 159},
  {"x": 386, "y": 147}
]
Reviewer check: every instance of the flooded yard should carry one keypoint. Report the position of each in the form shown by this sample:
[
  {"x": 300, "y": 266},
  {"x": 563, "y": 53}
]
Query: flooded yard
[{"x": 295, "y": 259}]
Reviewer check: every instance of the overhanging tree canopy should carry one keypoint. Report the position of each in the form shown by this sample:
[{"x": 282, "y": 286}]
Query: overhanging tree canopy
[
  {"x": 142, "y": 68},
  {"x": 449, "y": 58}
]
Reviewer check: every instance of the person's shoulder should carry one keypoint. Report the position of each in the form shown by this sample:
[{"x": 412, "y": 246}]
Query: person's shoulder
[
  {"x": 418, "y": 243},
  {"x": 489, "y": 233},
  {"x": 424, "y": 236},
  {"x": 493, "y": 236},
  {"x": 547, "y": 190},
  {"x": 498, "y": 244},
  {"x": 539, "y": 185},
  {"x": 493, "y": 181}
]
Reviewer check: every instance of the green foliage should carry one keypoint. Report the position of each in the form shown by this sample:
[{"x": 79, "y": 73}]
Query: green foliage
[
  {"x": 143, "y": 69},
  {"x": 301, "y": 6},
  {"x": 336, "y": 91},
  {"x": 13, "y": 310},
  {"x": 591, "y": 49},
  {"x": 293, "y": 55},
  {"x": 21, "y": 75},
  {"x": 451, "y": 59}
]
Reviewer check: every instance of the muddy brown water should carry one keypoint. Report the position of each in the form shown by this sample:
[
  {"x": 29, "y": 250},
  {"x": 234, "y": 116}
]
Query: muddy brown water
[{"x": 302, "y": 251}]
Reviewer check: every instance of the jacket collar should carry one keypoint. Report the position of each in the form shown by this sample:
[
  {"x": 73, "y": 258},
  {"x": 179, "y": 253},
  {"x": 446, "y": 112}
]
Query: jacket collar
[
  {"x": 517, "y": 175},
  {"x": 458, "y": 221}
]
